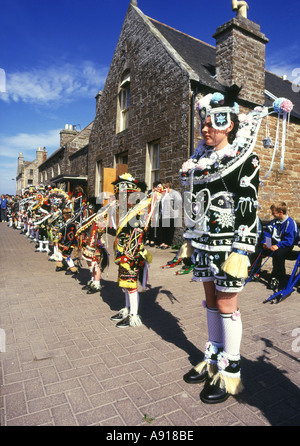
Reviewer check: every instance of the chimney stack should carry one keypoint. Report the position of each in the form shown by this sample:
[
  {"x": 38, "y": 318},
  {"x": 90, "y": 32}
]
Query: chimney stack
[
  {"x": 98, "y": 99},
  {"x": 41, "y": 155},
  {"x": 67, "y": 134},
  {"x": 240, "y": 57}
]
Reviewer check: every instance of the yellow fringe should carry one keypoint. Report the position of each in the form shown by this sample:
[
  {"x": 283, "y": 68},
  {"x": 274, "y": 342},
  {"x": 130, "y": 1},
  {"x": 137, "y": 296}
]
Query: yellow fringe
[
  {"x": 212, "y": 369},
  {"x": 135, "y": 321},
  {"x": 125, "y": 284},
  {"x": 230, "y": 384},
  {"x": 236, "y": 265},
  {"x": 186, "y": 250},
  {"x": 146, "y": 255}
]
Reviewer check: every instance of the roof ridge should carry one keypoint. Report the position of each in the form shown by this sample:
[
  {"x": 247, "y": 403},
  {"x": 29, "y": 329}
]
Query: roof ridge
[
  {"x": 181, "y": 32},
  {"x": 280, "y": 77}
]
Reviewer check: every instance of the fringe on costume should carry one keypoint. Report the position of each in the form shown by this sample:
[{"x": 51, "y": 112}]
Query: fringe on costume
[
  {"x": 231, "y": 384},
  {"x": 124, "y": 312},
  {"x": 135, "y": 321},
  {"x": 229, "y": 375},
  {"x": 212, "y": 369},
  {"x": 186, "y": 250},
  {"x": 236, "y": 265}
]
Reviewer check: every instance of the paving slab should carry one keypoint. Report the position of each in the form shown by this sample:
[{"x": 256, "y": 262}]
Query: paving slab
[{"x": 66, "y": 363}]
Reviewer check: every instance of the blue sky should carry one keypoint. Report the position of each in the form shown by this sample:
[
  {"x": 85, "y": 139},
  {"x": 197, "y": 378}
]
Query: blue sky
[{"x": 55, "y": 56}]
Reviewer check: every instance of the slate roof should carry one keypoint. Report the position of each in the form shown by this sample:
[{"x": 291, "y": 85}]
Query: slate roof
[{"x": 201, "y": 57}]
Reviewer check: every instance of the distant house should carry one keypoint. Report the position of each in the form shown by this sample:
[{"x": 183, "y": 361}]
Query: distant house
[
  {"x": 28, "y": 171},
  {"x": 67, "y": 166},
  {"x": 146, "y": 122}
]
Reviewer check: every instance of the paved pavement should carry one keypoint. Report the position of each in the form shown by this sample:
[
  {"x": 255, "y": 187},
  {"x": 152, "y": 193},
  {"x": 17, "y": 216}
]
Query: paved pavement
[{"x": 67, "y": 364}]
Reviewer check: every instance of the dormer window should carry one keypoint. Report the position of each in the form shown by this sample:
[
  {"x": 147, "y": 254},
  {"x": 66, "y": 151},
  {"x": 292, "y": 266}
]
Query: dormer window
[{"x": 124, "y": 102}]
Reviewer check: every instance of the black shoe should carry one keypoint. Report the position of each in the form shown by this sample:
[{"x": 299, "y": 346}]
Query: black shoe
[
  {"x": 117, "y": 317},
  {"x": 93, "y": 290},
  {"x": 124, "y": 323},
  {"x": 193, "y": 377},
  {"x": 213, "y": 394},
  {"x": 69, "y": 272},
  {"x": 59, "y": 268},
  {"x": 273, "y": 284},
  {"x": 86, "y": 287}
]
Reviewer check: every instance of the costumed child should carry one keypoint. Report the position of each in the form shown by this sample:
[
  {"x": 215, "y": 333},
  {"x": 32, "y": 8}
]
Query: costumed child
[
  {"x": 66, "y": 243},
  {"x": 222, "y": 179},
  {"x": 130, "y": 253},
  {"x": 91, "y": 237}
]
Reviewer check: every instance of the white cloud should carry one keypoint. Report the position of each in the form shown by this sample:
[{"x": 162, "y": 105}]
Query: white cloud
[
  {"x": 54, "y": 84},
  {"x": 285, "y": 61},
  {"x": 11, "y": 146}
]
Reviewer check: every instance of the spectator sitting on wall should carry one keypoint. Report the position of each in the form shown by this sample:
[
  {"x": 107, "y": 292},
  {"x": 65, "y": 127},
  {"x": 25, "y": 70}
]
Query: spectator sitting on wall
[{"x": 280, "y": 236}]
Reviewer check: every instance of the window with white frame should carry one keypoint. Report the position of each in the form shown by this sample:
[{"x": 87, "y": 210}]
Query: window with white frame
[
  {"x": 152, "y": 163},
  {"x": 124, "y": 102},
  {"x": 98, "y": 179}
]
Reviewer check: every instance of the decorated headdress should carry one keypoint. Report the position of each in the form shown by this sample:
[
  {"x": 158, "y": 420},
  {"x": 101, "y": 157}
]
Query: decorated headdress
[
  {"x": 219, "y": 106},
  {"x": 58, "y": 197},
  {"x": 127, "y": 182}
]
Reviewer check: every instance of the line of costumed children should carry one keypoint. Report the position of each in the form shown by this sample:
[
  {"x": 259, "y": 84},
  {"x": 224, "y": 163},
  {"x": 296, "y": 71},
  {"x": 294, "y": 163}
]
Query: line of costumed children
[{"x": 71, "y": 224}]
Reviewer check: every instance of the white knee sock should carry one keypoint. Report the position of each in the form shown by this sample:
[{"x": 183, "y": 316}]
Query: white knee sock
[
  {"x": 134, "y": 302},
  {"x": 232, "y": 332},
  {"x": 127, "y": 301},
  {"x": 214, "y": 325}
]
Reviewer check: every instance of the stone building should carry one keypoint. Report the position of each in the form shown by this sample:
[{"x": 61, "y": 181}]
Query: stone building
[
  {"x": 146, "y": 122},
  {"x": 67, "y": 166},
  {"x": 28, "y": 171}
]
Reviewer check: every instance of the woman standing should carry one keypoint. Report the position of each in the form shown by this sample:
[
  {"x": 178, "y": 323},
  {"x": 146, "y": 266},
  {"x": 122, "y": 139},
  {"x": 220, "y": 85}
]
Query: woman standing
[{"x": 222, "y": 179}]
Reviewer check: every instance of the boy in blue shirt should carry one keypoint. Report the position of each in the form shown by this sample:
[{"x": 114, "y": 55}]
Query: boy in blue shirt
[
  {"x": 280, "y": 236},
  {"x": 3, "y": 208}
]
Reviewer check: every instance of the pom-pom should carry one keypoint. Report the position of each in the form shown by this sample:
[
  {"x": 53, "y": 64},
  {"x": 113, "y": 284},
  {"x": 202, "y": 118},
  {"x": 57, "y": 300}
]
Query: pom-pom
[
  {"x": 217, "y": 99},
  {"x": 282, "y": 105},
  {"x": 287, "y": 105}
]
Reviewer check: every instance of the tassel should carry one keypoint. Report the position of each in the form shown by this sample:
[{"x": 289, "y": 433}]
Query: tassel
[
  {"x": 212, "y": 369},
  {"x": 186, "y": 250},
  {"x": 232, "y": 385},
  {"x": 135, "y": 320},
  {"x": 124, "y": 312},
  {"x": 236, "y": 265}
]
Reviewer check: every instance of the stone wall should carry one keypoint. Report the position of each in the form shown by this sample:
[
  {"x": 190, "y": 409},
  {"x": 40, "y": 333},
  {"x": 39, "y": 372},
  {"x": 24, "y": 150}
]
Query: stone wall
[
  {"x": 79, "y": 162},
  {"x": 280, "y": 185},
  {"x": 159, "y": 106},
  {"x": 240, "y": 57}
]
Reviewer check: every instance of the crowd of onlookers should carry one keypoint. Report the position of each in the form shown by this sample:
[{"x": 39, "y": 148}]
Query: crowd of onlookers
[{"x": 7, "y": 203}]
